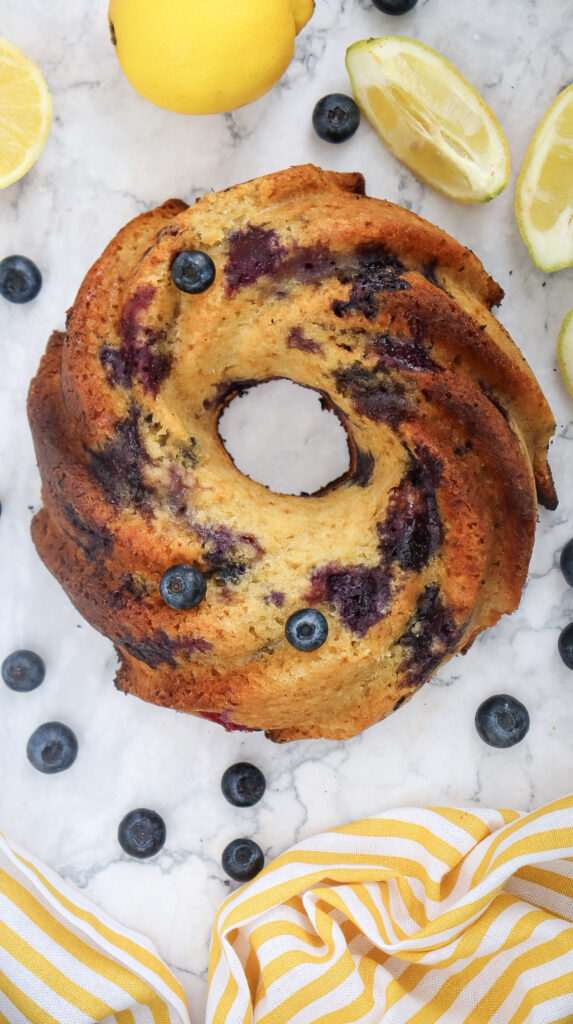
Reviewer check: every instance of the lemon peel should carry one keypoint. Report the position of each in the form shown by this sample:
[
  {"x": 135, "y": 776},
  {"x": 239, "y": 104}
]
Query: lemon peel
[
  {"x": 302, "y": 11},
  {"x": 429, "y": 117},
  {"x": 544, "y": 188},
  {"x": 194, "y": 57},
  {"x": 25, "y": 113}
]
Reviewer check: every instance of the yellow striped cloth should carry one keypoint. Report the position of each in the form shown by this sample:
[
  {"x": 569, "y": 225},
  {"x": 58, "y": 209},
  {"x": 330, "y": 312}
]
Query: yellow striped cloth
[
  {"x": 63, "y": 961},
  {"x": 418, "y": 916}
]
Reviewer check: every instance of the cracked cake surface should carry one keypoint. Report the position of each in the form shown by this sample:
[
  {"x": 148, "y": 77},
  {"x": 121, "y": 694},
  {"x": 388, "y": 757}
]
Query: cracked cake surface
[{"x": 423, "y": 543}]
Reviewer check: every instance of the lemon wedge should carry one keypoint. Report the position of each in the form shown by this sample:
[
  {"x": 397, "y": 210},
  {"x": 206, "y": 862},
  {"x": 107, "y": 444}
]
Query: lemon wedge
[
  {"x": 25, "y": 113},
  {"x": 430, "y": 117},
  {"x": 565, "y": 351},
  {"x": 544, "y": 190}
]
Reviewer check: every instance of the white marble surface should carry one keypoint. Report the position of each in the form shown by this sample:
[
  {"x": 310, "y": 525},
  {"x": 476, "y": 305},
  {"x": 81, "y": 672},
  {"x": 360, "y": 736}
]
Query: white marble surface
[{"x": 111, "y": 154}]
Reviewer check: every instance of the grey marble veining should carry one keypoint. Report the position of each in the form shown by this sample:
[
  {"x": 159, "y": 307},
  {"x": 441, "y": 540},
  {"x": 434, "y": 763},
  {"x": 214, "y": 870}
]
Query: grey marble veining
[{"x": 110, "y": 155}]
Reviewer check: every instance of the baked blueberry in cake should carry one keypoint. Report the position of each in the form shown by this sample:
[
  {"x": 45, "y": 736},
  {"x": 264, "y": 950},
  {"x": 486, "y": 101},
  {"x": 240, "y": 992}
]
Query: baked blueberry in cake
[{"x": 304, "y": 616}]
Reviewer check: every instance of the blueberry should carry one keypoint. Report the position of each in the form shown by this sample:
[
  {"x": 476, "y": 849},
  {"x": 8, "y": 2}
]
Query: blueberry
[
  {"x": 20, "y": 279},
  {"x": 566, "y": 562},
  {"x": 395, "y": 6},
  {"x": 23, "y": 671},
  {"x": 52, "y": 748},
  {"x": 565, "y": 645},
  {"x": 335, "y": 117},
  {"x": 502, "y": 720},
  {"x": 243, "y": 784},
  {"x": 306, "y": 629},
  {"x": 183, "y": 586},
  {"x": 242, "y": 859},
  {"x": 141, "y": 833},
  {"x": 193, "y": 271}
]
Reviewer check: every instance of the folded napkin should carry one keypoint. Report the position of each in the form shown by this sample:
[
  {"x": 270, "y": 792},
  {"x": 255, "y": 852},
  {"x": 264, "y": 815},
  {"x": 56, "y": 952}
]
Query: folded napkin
[
  {"x": 426, "y": 916},
  {"x": 418, "y": 915},
  {"x": 63, "y": 961}
]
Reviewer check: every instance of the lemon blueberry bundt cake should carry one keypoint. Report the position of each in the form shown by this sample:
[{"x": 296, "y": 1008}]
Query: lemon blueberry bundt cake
[{"x": 308, "y": 615}]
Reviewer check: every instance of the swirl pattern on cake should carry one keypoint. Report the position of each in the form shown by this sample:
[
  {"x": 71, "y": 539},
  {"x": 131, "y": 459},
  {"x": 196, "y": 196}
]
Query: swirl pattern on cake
[{"x": 423, "y": 543}]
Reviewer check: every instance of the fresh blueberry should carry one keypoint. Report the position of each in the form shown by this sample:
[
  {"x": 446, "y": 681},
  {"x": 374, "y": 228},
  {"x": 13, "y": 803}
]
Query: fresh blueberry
[
  {"x": 395, "y": 6},
  {"x": 242, "y": 859},
  {"x": 183, "y": 586},
  {"x": 335, "y": 117},
  {"x": 566, "y": 562},
  {"x": 565, "y": 645},
  {"x": 502, "y": 720},
  {"x": 141, "y": 833},
  {"x": 20, "y": 279},
  {"x": 306, "y": 629},
  {"x": 23, "y": 671},
  {"x": 243, "y": 784},
  {"x": 52, "y": 748},
  {"x": 193, "y": 271}
]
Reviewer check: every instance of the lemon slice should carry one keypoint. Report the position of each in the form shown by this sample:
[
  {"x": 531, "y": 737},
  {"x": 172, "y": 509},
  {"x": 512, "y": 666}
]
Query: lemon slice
[
  {"x": 544, "y": 190},
  {"x": 430, "y": 117},
  {"x": 25, "y": 113},
  {"x": 565, "y": 351}
]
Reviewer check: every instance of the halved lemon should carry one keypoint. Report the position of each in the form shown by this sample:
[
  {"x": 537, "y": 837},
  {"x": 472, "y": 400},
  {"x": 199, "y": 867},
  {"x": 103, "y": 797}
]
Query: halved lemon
[
  {"x": 544, "y": 190},
  {"x": 565, "y": 351},
  {"x": 430, "y": 117},
  {"x": 25, "y": 113}
]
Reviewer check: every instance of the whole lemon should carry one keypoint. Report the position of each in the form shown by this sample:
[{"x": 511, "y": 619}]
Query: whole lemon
[{"x": 205, "y": 56}]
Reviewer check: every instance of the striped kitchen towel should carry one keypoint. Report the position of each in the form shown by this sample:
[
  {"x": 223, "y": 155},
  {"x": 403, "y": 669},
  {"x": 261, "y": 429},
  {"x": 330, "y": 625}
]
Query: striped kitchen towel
[
  {"x": 426, "y": 916},
  {"x": 63, "y": 961},
  {"x": 417, "y": 916}
]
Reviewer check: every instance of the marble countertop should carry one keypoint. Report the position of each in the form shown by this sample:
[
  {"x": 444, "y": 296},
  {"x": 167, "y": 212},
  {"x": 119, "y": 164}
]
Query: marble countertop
[{"x": 111, "y": 154}]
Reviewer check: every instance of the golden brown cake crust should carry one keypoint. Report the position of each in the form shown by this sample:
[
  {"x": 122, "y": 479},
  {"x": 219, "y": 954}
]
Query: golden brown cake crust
[{"x": 389, "y": 318}]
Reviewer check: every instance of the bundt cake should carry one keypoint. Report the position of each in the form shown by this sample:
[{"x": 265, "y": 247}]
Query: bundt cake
[{"x": 308, "y": 615}]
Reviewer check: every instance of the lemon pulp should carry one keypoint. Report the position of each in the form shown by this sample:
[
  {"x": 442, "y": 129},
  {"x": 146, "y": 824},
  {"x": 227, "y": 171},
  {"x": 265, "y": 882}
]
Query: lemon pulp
[
  {"x": 429, "y": 117},
  {"x": 544, "y": 190},
  {"x": 25, "y": 113},
  {"x": 565, "y": 351}
]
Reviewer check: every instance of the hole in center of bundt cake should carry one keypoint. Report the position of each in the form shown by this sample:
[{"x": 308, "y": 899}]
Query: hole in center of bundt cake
[{"x": 284, "y": 436}]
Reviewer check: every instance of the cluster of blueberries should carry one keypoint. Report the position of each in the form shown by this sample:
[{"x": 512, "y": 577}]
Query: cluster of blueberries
[
  {"x": 566, "y": 636},
  {"x": 142, "y": 832},
  {"x": 53, "y": 748},
  {"x": 502, "y": 720},
  {"x": 184, "y": 586}
]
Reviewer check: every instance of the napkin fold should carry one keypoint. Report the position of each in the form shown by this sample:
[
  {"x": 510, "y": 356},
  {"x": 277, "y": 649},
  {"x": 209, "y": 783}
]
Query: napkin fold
[
  {"x": 419, "y": 915},
  {"x": 64, "y": 961}
]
